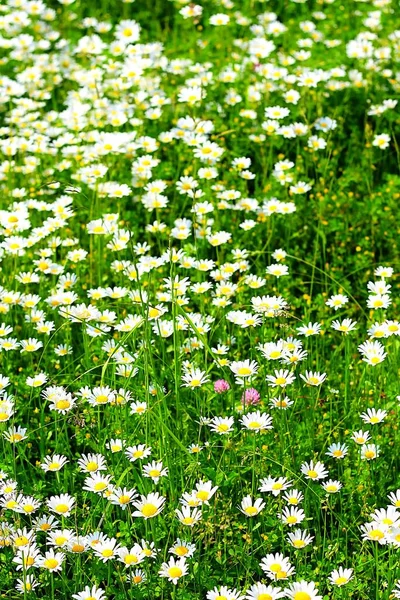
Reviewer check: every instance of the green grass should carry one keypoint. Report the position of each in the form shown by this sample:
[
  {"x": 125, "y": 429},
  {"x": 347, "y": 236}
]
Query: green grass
[{"x": 123, "y": 303}]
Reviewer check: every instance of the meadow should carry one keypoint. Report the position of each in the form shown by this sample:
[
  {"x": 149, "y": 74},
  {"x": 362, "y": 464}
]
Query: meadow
[{"x": 199, "y": 295}]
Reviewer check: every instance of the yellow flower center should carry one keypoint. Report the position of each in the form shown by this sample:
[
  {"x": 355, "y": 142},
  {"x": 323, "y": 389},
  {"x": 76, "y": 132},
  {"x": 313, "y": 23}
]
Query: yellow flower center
[
  {"x": 63, "y": 404},
  {"x": 281, "y": 575},
  {"x": 130, "y": 558},
  {"x": 124, "y": 499},
  {"x": 28, "y": 508},
  {"x": 275, "y": 567},
  {"x": 62, "y": 508},
  {"x": 280, "y": 380},
  {"x": 369, "y": 454},
  {"x": 299, "y": 543},
  {"x": 4, "y": 416},
  {"x": 154, "y": 473},
  {"x": 51, "y": 563},
  {"x": 376, "y": 534},
  {"x": 22, "y": 540},
  {"x": 181, "y": 550},
  {"x": 54, "y": 466},
  {"x": 137, "y": 578},
  {"x": 264, "y": 597},
  {"x": 78, "y": 548},
  {"x": 101, "y": 399},
  {"x": 107, "y": 552},
  {"x": 149, "y": 510},
  {"x": 340, "y": 580},
  {"x": 312, "y": 474},
  {"x": 92, "y": 466},
  {"x": 251, "y": 511},
  {"x": 223, "y": 427},
  {"x": 244, "y": 371},
  {"x": 203, "y": 495},
  {"x": 174, "y": 572},
  {"x": 331, "y": 488},
  {"x": 277, "y": 486},
  {"x": 99, "y": 486},
  {"x": 291, "y": 520},
  {"x": 254, "y": 425},
  {"x": 301, "y": 596},
  {"x": 188, "y": 520}
]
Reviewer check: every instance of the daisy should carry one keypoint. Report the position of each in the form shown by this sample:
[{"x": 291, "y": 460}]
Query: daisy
[
  {"x": 277, "y": 567},
  {"x": 302, "y": 590},
  {"x": 93, "y": 593},
  {"x": 250, "y": 508},
  {"x": 280, "y": 378},
  {"x": 52, "y": 561},
  {"x": 204, "y": 491},
  {"x": 244, "y": 368},
  {"x": 373, "y": 416},
  {"x": 345, "y": 326},
  {"x": 313, "y": 378},
  {"x": 107, "y": 549},
  {"x": 291, "y": 516},
  {"x": 131, "y": 557},
  {"x": 53, "y": 463},
  {"x": 224, "y": 592},
  {"x": 337, "y": 450},
  {"x": 314, "y": 470},
  {"x": 137, "y": 452},
  {"x": 188, "y": 516},
  {"x": 155, "y": 470},
  {"x": 337, "y": 301},
  {"x": 137, "y": 577},
  {"x": 369, "y": 451},
  {"x": 194, "y": 378},
  {"x": 222, "y": 425},
  {"x": 260, "y": 591},
  {"x": 273, "y": 485},
  {"x": 310, "y": 329},
  {"x": 174, "y": 569},
  {"x": 360, "y": 437},
  {"x": 299, "y": 539},
  {"x": 375, "y": 532},
  {"x": 61, "y": 505},
  {"x": 122, "y": 497},
  {"x": 331, "y": 486},
  {"x": 257, "y": 421},
  {"x": 183, "y": 548},
  {"x": 149, "y": 506}
]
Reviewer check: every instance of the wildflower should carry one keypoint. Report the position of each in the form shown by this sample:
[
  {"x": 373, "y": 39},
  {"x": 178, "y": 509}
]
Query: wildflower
[
  {"x": 93, "y": 593},
  {"x": 224, "y": 592},
  {"x": 134, "y": 556},
  {"x": 369, "y": 451},
  {"x": 52, "y": 561},
  {"x": 299, "y": 539},
  {"x": 183, "y": 548},
  {"x": 250, "y": 397},
  {"x": 273, "y": 485},
  {"x": 257, "y": 421},
  {"x": 122, "y": 497},
  {"x": 250, "y": 508},
  {"x": 155, "y": 470},
  {"x": 149, "y": 506},
  {"x": 54, "y": 463},
  {"x": 373, "y": 416},
  {"x": 314, "y": 470},
  {"x": 337, "y": 450},
  {"x": 106, "y": 549},
  {"x": 243, "y": 369},
  {"x": 313, "y": 378},
  {"x": 280, "y": 378},
  {"x": 260, "y": 591},
  {"x": 277, "y": 567},
  {"x": 188, "y": 516},
  {"x": 375, "y": 532},
  {"x": 222, "y": 425},
  {"x": 61, "y": 505},
  {"x": 291, "y": 516},
  {"x": 331, "y": 486},
  {"x": 194, "y": 378},
  {"x": 345, "y": 326},
  {"x": 302, "y": 590},
  {"x": 381, "y": 141},
  {"x": 205, "y": 491}
]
